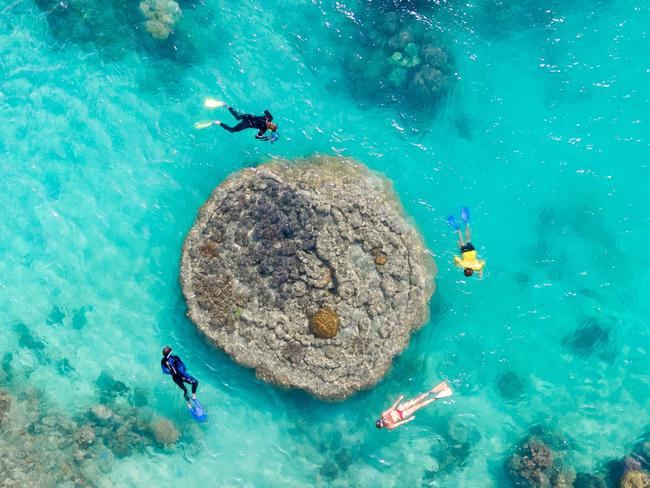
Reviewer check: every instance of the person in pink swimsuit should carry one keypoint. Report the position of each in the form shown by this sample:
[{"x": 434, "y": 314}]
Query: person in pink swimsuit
[{"x": 401, "y": 413}]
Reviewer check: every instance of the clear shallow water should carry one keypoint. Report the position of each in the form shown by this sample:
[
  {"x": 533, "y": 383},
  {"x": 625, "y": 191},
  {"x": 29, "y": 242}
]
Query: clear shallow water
[{"x": 544, "y": 135}]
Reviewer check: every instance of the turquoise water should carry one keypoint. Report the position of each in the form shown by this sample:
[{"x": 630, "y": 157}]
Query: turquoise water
[{"x": 543, "y": 132}]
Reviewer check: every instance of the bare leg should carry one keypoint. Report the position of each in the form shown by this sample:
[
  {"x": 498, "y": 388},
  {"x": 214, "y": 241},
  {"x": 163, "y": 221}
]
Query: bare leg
[
  {"x": 411, "y": 410},
  {"x": 468, "y": 233},
  {"x": 413, "y": 401},
  {"x": 460, "y": 239}
]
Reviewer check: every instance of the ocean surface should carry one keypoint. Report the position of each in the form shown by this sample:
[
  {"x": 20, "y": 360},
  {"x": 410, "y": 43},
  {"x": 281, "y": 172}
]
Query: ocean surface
[{"x": 537, "y": 119}]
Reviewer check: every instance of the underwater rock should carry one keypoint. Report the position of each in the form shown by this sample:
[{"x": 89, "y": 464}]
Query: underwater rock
[
  {"x": 290, "y": 239},
  {"x": 85, "y": 436},
  {"x": 635, "y": 479},
  {"x": 564, "y": 479},
  {"x": 7, "y": 369},
  {"x": 64, "y": 367},
  {"x": 531, "y": 464},
  {"x": 27, "y": 340},
  {"x": 89, "y": 20},
  {"x": 109, "y": 387},
  {"x": 329, "y": 470},
  {"x": 5, "y": 404},
  {"x": 589, "y": 338},
  {"x": 343, "y": 459},
  {"x": 79, "y": 318},
  {"x": 396, "y": 58},
  {"x": 587, "y": 480},
  {"x": 56, "y": 316},
  {"x": 509, "y": 385},
  {"x": 161, "y": 17},
  {"x": 165, "y": 431},
  {"x": 101, "y": 413},
  {"x": 324, "y": 323},
  {"x": 43, "y": 447}
]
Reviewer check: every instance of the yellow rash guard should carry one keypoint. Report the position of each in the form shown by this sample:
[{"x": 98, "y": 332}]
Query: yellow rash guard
[{"x": 468, "y": 259}]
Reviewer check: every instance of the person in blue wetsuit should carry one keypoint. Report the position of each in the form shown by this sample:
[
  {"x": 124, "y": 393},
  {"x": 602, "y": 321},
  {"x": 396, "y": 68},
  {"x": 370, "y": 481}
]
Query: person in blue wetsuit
[
  {"x": 174, "y": 366},
  {"x": 247, "y": 121}
]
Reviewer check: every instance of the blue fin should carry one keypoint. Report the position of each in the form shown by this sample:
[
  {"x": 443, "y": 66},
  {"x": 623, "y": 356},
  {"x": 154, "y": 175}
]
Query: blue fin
[
  {"x": 464, "y": 214},
  {"x": 451, "y": 220},
  {"x": 197, "y": 411}
]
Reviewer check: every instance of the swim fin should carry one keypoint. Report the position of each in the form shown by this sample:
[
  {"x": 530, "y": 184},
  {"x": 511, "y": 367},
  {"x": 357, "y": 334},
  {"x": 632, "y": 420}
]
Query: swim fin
[
  {"x": 197, "y": 410},
  {"x": 203, "y": 125},
  {"x": 212, "y": 103},
  {"x": 451, "y": 220},
  {"x": 464, "y": 214},
  {"x": 441, "y": 390}
]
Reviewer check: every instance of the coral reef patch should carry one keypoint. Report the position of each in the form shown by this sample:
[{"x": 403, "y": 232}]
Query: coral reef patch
[{"x": 280, "y": 271}]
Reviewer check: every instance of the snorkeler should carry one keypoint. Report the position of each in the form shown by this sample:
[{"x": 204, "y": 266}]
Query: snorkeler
[
  {"x": 174, "y": 366},
  {"x": 260, "y": 122},
  {"x": 400, "y": 414},
  {"x": 468, "y": 260}
]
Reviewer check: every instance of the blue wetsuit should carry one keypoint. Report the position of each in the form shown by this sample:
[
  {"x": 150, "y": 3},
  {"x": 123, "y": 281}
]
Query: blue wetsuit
[{"x": 174, "y": 366}]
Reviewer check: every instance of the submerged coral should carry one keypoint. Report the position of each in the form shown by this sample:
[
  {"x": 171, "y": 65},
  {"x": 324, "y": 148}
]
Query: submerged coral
[
  {"x": 161, "y": 17},
  {"x": 324, "y": 323},
  {"x": 115, "y": 27},
  {"x": 531, "y": 464},
  {"x": 293, "y": 247},
  {"x": 510, "y": 385},
  {"x": 635, "y": 479},
  {"x": 591, "y": 337},
  {"x": 100, "y": 21},
  {"x": 57, "y": 450},
  {"x": 398, "y": 58}
]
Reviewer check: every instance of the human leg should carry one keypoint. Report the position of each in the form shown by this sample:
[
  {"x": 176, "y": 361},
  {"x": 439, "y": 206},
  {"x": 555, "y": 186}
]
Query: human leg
[
  {"x": 192, "y": 381},
  {"x": 468, "y": 233},
  {"x": 461, "y": 243},
  {"x": 235, "y": 113},
  {"x": 239, "y": 127},
  {"x": 413, "y": 401},
  {"x": 179, "y": 382},
  {"x": 414, "y": 408}
]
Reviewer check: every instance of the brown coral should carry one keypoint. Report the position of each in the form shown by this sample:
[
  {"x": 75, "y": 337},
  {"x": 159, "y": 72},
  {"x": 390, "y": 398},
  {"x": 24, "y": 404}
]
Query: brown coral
[
  {"x": 165, "y": 431},
  {"x": 324, "y": 323},
  {"x": 635, "y": 479},
  {"x": 532, "y": 464},
  {"x": 379, "y": 256}
]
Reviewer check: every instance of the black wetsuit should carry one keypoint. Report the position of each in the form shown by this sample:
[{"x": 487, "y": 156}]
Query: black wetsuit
[
  {"x": 174, "y": 366},
  {"x": 249, "y": 121}
]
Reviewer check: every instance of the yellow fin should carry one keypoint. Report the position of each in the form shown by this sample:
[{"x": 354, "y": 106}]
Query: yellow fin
[
  {"x": 203, "y": 125},
  {"x": 212, "y": 103}
]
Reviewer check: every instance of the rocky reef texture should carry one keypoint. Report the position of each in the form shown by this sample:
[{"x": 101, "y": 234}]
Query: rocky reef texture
[
  {"x": 161, "y": 17},
  {"x": 99, "y": 21},
  {"x": 280, "y": 271},
  {"x": 400, "y": 59},
  {"x": 635, "y": 479},
  {"x": 114, "y": 28},
  {"x": 539, "y": 460},
  {"x": 42, "y": 446}
]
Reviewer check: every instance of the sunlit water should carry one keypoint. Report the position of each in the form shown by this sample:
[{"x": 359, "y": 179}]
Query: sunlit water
[{"x": 543, "y": 133}]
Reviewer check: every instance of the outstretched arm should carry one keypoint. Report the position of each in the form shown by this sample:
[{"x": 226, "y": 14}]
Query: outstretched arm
[{"x": 401, "y": 397}]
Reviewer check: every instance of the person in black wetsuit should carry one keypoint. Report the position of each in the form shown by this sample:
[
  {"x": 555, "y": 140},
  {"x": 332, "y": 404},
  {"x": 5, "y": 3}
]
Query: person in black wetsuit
[
  {"x": 260, "y": 122},
  {"x": 174, "y": 366}
]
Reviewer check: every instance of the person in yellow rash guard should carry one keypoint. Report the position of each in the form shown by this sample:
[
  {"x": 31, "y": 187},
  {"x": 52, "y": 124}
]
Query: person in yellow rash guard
[{"x": 468, "y": 260}]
